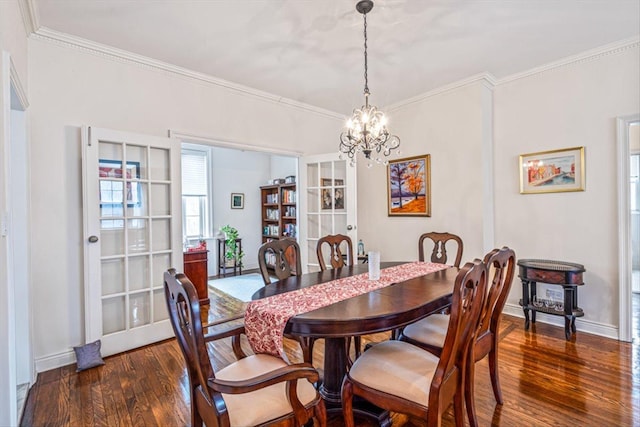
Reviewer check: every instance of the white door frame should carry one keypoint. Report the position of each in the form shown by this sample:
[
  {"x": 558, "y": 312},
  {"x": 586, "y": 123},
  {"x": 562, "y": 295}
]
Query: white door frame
[
  {"x": 351, "y": 197},
  {"x": 624, "y": 227},
  {"x": 15, "y": 306}
]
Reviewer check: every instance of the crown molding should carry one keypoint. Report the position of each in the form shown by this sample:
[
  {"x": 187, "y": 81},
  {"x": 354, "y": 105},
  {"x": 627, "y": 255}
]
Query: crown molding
[
  {"x": 113, "y": 53},
  {"x": 489, "y": 81},
  {"x": 589, "y": 55},
  {"x": 486, "y": 79},
  {"x": 29, "y": 16}
]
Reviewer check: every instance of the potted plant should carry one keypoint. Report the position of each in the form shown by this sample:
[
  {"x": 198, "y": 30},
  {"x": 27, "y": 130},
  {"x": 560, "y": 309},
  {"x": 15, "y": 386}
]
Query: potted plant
[{"x": 232, "y": 254}]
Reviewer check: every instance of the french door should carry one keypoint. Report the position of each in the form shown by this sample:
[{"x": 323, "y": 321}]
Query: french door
[
  {"x": 327, "y": 203},
  {"x": 132, "y": 235}
]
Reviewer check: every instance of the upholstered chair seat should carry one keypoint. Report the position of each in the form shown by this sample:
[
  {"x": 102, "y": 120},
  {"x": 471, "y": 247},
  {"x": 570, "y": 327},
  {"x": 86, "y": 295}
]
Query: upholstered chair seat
[
  {"x": 242, "y": 408},
  {"x": 397, "y": 368}
]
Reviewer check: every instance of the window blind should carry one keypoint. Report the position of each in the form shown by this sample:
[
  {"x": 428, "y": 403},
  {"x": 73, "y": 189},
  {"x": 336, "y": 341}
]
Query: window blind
[{"x": 194, "y": 173}]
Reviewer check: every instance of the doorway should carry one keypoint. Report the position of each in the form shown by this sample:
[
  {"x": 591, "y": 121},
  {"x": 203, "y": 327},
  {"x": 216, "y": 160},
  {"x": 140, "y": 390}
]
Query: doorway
[
  {"x": 634, "y": 213},
  {"x": 16, "y": 360},
  {"x": 628, "y": 142}
]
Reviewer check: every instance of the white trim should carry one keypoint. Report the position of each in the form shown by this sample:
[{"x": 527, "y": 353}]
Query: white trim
[
  {"x": 52, "y": 361},
  {"x": 582, "y": 325},
  {"x": 17, "y": 86},
  {"x": 187, "y": 137},
  {"x": 588, "y": 55},
  {"x": 490, "y": 80},
  {"x": 485, "y": 78},
  {"x": 624, "y": 227},
  {"x": 29, "y": 16},
  {"x": 50, "y": 35},
  {"x": 8, "y": 383},
  {"x": 487, "y": 155}
]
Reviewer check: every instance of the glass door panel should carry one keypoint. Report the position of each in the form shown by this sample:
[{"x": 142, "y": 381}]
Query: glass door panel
[{"x": 137, "y": 224}]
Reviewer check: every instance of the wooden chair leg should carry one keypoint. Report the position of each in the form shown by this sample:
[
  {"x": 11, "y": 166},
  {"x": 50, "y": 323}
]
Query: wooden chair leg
[
  {"x": 347, "y": 403},
  {"x": 469, "y": 394},
  {"x": 357, "y": 343},
  {"x": 320, "y": 415},
  {"x": 307, "y": 349},
  {"x": 458, "y": 408},
  {"x": 493, "y": 372}
]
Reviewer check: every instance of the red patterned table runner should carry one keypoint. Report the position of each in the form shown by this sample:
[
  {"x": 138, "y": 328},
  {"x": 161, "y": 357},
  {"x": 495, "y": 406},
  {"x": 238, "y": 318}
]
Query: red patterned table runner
[{"x": 265, "y": 319}]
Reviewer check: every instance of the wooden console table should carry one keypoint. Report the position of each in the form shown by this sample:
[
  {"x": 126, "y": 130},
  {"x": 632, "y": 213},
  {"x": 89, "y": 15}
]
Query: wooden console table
[
  {"x": 566, "y": 274},
  {"x": 195, "y": 268}
]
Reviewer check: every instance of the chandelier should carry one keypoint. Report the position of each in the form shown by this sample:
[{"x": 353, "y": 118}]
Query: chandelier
[{"x": 366, "y": 131}]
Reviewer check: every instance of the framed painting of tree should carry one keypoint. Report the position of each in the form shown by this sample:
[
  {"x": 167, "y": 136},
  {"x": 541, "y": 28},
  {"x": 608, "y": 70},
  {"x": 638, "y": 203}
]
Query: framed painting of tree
[{"x": 409, "y": 186}]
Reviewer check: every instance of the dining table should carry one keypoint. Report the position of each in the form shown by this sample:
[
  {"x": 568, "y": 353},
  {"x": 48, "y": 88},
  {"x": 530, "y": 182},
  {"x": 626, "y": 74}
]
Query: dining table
[{"x": 385, "y": 308}]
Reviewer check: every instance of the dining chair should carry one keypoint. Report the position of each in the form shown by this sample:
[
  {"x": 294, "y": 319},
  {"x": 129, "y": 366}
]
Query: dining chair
[
  {"x": 254, "y": 390},
  {"x": 439, "y": 253},
  {"x": 282, "y": 259},
  {"x": 429, "y": 332},
  {"x": 400, "y": 377},
  {"x": 336, "y": 257},
  {"x": 337, "y": 260}
]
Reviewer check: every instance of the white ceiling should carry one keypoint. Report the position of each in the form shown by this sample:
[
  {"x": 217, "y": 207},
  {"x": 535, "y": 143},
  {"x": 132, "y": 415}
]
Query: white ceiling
[{"x": 312, "y": 50}]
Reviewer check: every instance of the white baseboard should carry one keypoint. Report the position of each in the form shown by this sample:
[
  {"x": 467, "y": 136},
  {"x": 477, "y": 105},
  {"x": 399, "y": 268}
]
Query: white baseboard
[
  {"x": 53, "y": 361},
  {"x": 582, "y": 325}
]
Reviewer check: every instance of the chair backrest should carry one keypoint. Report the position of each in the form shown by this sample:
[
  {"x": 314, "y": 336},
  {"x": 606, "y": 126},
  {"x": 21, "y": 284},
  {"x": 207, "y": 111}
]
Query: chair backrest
[
  {"x": 184, "y": 312},
  {"x": 334, "y": 241},
  {"x": 439, "y": 253},
  {"x": 281, "y": 258},
  {"x": 467, "y": 300},
  {"x": 501, "y": 266}
]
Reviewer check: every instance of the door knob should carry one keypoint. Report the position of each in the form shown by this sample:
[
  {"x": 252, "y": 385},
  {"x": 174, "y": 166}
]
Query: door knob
[
  {"x": 93, "y": 239},
  {"x": 350, "y": 227}
]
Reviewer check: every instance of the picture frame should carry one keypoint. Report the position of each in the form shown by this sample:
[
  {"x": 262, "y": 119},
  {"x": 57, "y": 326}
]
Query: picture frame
[
  {"x": 114, "y": 191},
  {"x": 552, "y": 171},
  {"x": 332, "y": 196},
  {"x": 237, "y": 200},
  {"x": 409, "y": 186}
]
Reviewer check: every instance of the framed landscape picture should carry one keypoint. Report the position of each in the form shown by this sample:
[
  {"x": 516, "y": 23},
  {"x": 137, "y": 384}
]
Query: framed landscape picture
[
  {"x": 552, "y": 171},
  {"x": 409, "y": 186}
]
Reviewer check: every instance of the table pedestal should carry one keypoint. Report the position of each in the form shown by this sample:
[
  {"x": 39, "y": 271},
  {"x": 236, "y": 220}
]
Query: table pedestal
[{"x": 336, "y": 360}]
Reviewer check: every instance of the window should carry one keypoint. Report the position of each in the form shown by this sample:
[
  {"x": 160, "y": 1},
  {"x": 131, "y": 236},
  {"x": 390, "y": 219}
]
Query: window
[{"x": 195, "y": 193}]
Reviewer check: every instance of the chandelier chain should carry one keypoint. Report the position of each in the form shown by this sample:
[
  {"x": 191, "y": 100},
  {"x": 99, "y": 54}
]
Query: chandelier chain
[{"x": 366, "y": 78}]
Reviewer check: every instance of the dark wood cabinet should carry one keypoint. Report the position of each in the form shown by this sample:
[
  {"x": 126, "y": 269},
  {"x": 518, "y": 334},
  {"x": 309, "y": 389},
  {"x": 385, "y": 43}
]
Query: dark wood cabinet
[{"x": 195, "y": 268}]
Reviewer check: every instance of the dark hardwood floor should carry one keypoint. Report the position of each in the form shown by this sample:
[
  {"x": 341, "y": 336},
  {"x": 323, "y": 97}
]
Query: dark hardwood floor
[{"x": 546, "y": 381}]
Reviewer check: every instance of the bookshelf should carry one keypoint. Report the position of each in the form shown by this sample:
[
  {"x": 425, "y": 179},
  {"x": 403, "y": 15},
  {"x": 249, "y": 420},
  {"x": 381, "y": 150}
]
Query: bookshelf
[{"x": 279, "y": 211}]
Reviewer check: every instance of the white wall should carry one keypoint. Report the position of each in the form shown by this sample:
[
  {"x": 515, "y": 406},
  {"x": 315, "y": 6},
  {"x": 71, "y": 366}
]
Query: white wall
[
  {"x": 71, "y": 87},
  {"x": 13, "y": 37},
  {"x": 573, "y": 105},
  {"x": 449, "y": 127},
  {"x": 244, "y": 172}
]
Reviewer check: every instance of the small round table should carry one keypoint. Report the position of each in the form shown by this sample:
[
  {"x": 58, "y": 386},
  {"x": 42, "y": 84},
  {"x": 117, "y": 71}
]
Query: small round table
[{"x": 566, "y": 274}]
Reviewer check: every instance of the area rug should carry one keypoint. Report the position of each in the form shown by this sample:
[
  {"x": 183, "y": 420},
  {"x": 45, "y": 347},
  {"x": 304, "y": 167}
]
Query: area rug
[{"x": 239, "y": 287}]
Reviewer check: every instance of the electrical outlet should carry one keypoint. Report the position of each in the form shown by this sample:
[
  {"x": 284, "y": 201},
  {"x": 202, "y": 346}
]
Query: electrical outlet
[{"x": 554, "y": 294}]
